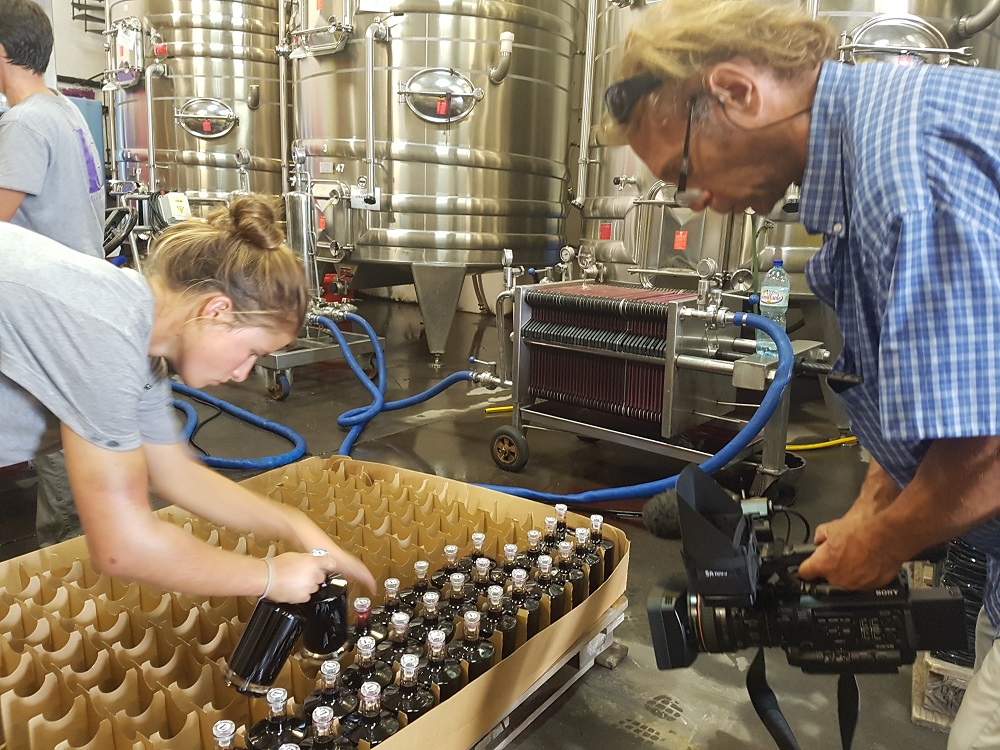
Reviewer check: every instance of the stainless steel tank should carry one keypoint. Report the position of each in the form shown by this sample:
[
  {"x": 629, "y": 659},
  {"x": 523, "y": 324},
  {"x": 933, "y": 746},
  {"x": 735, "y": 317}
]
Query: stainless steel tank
[
  {"x": 435, "y": 135},
  {"x": 201, "y": 80}
]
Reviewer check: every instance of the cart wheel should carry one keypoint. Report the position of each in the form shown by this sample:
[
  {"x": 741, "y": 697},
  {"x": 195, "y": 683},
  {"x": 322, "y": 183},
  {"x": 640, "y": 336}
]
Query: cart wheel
[
  {"x": 279, "y": 386},
  {"x": 510, "y": 449}
]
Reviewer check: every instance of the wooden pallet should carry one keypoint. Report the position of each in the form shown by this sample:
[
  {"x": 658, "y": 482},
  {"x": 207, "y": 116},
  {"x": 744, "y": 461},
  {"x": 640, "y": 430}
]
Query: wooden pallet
[
  {"x": 938, "y": 687},
  {"x": 567, "y": 670}
]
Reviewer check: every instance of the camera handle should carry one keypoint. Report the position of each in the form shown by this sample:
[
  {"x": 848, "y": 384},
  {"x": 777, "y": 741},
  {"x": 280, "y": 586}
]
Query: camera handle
[{"x": 765, "y": 703}]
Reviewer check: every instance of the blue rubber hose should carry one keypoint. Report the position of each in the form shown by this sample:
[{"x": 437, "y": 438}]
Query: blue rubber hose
[
  {"x": 770, "y": 402},
  {"x": 244, "y": 464}
]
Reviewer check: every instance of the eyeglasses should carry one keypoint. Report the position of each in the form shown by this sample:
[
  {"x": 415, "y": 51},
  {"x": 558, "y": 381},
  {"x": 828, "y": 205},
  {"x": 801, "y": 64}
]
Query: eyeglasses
[
  {"x": 682, "y": 181},
  {"x": 621, "y": 97}
]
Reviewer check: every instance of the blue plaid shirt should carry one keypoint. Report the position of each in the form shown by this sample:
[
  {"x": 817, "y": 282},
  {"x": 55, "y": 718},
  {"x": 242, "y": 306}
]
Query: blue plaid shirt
[{"x": 903, "y": 181}]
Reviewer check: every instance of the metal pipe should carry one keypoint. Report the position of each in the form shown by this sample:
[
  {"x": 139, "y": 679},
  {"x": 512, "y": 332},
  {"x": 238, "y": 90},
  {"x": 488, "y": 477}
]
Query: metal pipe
[
  {"x": 283, "y": 93},
  {"x": 969, "y": 26},
  {"x": 655, "y": 188},
  {"x": 588, "y": 104},
  {"x": 377, "y": 31},
  {"x": 499, "y": 71},
  {"x": 156, "y": 69}
]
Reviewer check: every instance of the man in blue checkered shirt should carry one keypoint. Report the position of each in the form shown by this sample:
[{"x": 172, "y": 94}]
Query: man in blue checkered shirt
[{"x": 900, "y": 171}]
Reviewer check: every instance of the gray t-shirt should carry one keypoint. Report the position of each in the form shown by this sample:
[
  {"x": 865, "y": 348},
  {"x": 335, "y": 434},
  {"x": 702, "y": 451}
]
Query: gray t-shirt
[
  {"x": 47, "y": 153},
  {"x": 74, "y": 341}
]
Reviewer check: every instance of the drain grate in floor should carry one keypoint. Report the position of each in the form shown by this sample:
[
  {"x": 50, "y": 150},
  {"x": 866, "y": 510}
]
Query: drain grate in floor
[
  {"x": 665, "y": 707},
  {"x": 640, "y": 729}
]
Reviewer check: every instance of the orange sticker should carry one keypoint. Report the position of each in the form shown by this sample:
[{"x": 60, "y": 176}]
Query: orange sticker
[{"x": 680, "y": 240}]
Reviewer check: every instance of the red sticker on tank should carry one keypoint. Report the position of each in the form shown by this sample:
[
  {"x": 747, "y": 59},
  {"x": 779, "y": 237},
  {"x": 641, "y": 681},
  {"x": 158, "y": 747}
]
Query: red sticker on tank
[
  {"x": 605, "y": 232},
  {"x": 680, "y": 240}
]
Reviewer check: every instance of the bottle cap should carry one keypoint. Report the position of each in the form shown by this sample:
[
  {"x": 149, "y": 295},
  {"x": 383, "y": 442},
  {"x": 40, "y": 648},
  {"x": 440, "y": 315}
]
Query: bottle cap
[
  {"x": 420, "y": 567},
  {"x": 550, "y": 524},
  {"x": 431, "y": 599},
  {"x": 596, "y": 521},
  {"x": 408, "y": 664},
  {"x": 457, "y": 581},
  {"x": 495, "y": 594},
  {"x": 478, "y": 540},
  {"x": 534, "y": 537},
  {"x": 288, "y": 746},
  {"x": 370, "y": 690},
  {"x": 318, "y": 552},
  {"x": 323, "y": 715},
  {"x": 544, "y": 563},
  {"x": 483, "y": 567},
  {"x": 510, "y": 552},
  {"x": 561, "y": 509},
  {"x": 451, "y": 552},
  {"x": 330, "y": 669},
  {"x": 778, "y": 262},
  {"x": 436, "y": 638},
  {"x": 362, "y": 604},
  {"x": 400, "y": 621},
  {"x": 471, "y": 618},
  {"x": 519, "y": 576},
  {"x": 366, "y": 645},
  {"x": 565, "y": 550},
  {"x": 224, "y": 730},
  {"x": 276, "y": 698},
  {"x": 582, "y": 536},
  {"x": 391, "y": 586}
]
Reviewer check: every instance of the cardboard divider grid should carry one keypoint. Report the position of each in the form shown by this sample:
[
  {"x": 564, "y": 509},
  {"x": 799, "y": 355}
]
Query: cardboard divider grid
[{"x": 89, "y": 662}]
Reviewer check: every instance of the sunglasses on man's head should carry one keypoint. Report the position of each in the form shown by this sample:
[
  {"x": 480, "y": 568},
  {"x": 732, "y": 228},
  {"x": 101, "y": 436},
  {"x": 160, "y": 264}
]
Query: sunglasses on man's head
[{"x": 622, "y": 96}]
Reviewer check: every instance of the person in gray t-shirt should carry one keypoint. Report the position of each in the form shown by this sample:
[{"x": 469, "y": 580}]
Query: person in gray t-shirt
[
  {"x": 81, "y": 351},
  {"x": 52, "y": 182}
]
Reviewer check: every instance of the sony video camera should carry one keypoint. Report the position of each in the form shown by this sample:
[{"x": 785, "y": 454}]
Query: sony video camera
[{"x": 742, "y": 590}]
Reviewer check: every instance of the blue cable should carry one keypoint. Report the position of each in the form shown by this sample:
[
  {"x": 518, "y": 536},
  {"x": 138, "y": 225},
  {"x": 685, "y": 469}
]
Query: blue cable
[
  {"x": 266, "y": 462},
  {"x": 770, "y": 402}
]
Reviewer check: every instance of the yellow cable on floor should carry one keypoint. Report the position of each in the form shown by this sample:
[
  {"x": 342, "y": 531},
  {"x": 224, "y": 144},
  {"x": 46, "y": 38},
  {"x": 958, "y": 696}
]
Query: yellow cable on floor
[
  {"x": 850, "y": 440},
  {"x": 499, "y": 409}
]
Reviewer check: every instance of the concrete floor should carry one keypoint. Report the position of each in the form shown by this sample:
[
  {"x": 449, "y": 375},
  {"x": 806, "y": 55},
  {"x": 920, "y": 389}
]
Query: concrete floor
[{"x": 634, "y": 705}]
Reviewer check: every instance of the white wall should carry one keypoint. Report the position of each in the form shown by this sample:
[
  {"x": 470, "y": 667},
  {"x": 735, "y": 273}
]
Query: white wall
[{"x": 79, "y": 54}]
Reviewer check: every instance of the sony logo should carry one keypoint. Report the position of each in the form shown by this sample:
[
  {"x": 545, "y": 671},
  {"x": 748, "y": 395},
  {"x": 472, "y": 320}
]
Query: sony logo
[
  {"x": 885, "y": 592},
  {"x": 715, "y": 574}
]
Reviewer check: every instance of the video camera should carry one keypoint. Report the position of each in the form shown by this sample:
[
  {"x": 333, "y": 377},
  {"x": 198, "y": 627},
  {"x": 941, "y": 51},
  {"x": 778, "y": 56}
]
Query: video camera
[{"x": 742, "y": 590}]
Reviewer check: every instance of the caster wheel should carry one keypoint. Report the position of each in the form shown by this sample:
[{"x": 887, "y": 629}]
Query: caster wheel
[
  {"x": 510, "y": 449},
  {"x": 660, "y": 516},
  {"x": 279, "y": 387}
]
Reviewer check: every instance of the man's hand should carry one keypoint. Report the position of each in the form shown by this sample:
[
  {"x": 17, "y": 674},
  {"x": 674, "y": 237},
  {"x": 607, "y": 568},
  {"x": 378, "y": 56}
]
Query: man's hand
[{"x": 848, "y": 556}]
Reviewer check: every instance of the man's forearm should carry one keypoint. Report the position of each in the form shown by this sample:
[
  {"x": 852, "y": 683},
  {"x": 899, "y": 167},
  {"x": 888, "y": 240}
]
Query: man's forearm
[{"x": 877, "y": 492}]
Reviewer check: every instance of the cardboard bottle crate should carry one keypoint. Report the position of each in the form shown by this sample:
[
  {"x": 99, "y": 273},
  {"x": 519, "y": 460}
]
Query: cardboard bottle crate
[{"x": 88, "y": 662}]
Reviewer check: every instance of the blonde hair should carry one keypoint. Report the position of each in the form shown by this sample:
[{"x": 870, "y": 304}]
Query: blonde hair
[
  {"x": 678, "y": 39},
  {"x": 238, "y": 252}
]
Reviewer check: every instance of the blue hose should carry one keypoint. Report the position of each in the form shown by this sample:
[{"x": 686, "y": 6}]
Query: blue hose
[
  {"x": 770, "y": 402},
  {"x": 357, "y": 419},
  {"x": 266, "y": 462}
]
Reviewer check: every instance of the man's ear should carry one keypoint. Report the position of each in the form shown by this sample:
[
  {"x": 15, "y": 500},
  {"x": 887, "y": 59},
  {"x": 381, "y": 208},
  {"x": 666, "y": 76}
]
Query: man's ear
[{"x": 734, "y": 84}]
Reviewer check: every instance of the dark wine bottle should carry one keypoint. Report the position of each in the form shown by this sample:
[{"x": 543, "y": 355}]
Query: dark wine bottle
[
  {"x": 370, "y": 723},
  {"x": 321, "y": 736},
  {"x": 497, "y": 619},
  {"x": 548, "y": 583},
  {"x": 501, "y": 573},
  {"x": 441, "y": 670},
  {"x": 398, "y": 641},
  {"x": 529, "y": 558},
  {"x": 605, "y": 547},
  {"x": 441, "y": 579},
  {"x": 430, "y": 619},
  {"x": 264, "y": 646},
  {"x": 584, "y": 553},
  {"x": 467, "y": 563},
  {"x": 522, "y": 598},
  {"x": 330, "y": 693},
  {"x": 461, "y": 597},
  {"x": 408, "y": 697},
  {"x": 366, "y": 667},
  {"x": 413, "y": 595},
  {"x": 363, "y": 621},
  {"x": 550, "y": 545},
  {"x": 278, "y": 728},
  {"x": 570, "y": 570},
  {"x": 563, "y": 530},
  {"x": 481, "y": 576},
  {"x": 383, "y": 614},
  {"x": 471, "y": 649},
  {"x": 224, "y": 734},
  {"x": 325, "y": 632}
]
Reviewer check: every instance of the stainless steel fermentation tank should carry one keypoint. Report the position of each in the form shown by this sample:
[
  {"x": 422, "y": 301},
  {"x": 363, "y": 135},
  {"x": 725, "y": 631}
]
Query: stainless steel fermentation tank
[
  {"x": 434, "y": 135},
  {"x": 200, "y": 80},
  {"x": 626, "y": 224}
]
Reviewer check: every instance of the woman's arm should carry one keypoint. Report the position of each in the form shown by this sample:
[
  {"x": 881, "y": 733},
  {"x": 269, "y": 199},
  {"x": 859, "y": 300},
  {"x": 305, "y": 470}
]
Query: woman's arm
[
  {"x": 126, "y": 539},
  {"x": 182, "y": 480}
]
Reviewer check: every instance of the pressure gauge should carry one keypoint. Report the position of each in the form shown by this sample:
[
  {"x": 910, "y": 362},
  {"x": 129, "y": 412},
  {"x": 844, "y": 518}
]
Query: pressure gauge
[{"x": 567, "y": 254}]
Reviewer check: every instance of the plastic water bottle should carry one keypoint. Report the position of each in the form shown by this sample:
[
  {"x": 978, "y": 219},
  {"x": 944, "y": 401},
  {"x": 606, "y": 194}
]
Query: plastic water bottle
[{"x": 774, "y": 292}]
